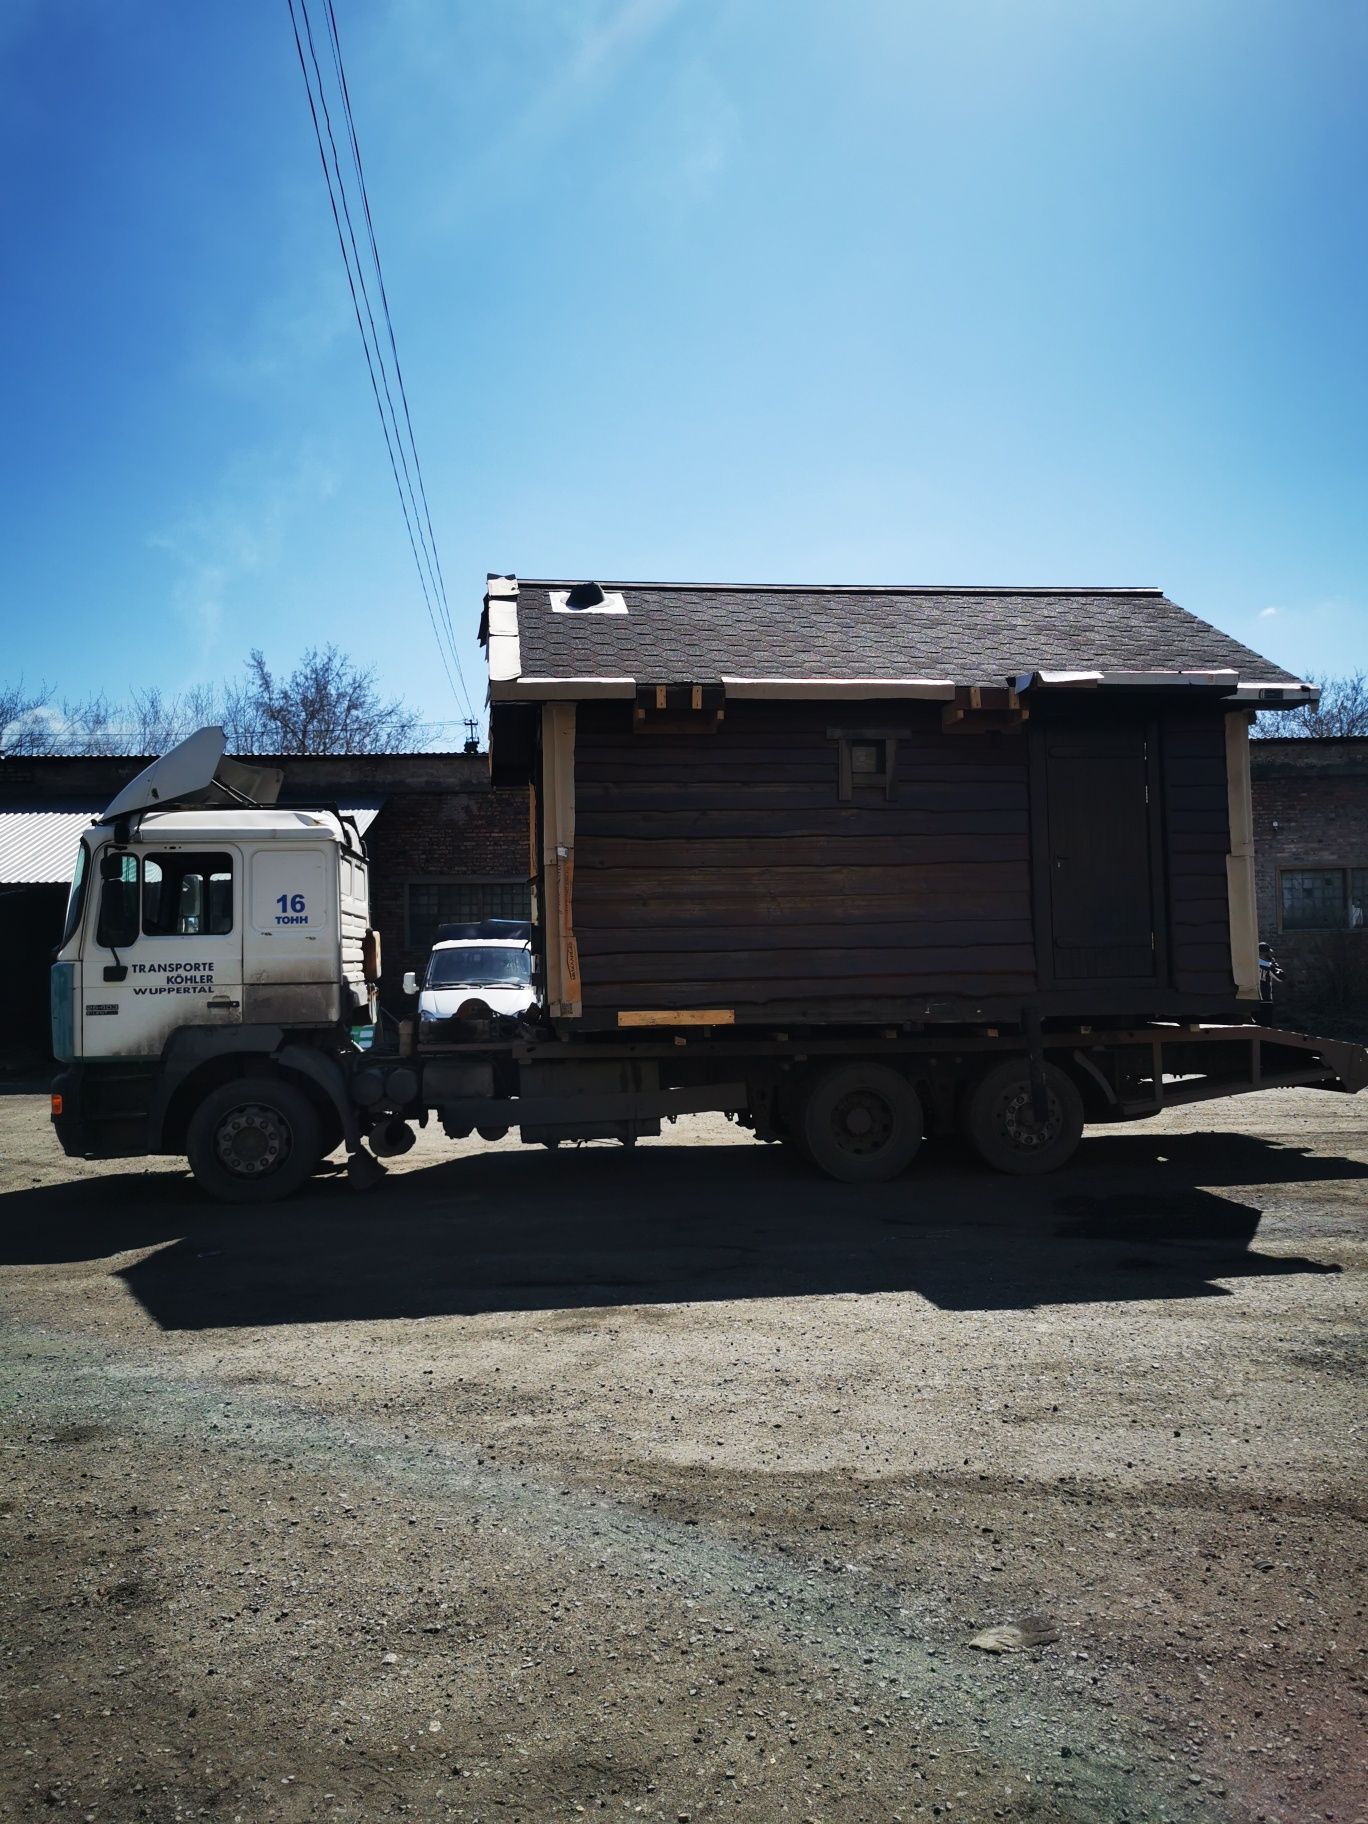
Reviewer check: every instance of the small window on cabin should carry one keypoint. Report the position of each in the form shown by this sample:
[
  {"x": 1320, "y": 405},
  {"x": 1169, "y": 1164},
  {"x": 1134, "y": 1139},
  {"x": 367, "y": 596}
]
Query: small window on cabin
[
  {"x": 866, "y": 763},
  {"x": 187, "y": 895}
]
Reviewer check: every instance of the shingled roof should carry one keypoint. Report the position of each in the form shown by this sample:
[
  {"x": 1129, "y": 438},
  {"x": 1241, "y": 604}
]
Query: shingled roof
[{"x": 912, "y": 640}]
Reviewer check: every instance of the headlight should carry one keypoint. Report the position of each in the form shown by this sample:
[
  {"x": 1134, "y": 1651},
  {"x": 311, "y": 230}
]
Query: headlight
[{"x": 425, "y": 1013}]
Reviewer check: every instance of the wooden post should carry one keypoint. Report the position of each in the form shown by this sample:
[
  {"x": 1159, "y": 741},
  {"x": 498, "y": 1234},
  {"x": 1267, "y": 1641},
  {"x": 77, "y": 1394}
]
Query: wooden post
[
  {"x": 1244, "y": 920},
  {"x": 558, "y": 860}
]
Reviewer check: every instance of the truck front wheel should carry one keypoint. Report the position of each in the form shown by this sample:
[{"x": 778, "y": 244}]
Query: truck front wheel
[
  {"x": 860, "y": 1123},
  {"x": 1001, "y": 1123},
  {"x": 254, "y": 1140}
]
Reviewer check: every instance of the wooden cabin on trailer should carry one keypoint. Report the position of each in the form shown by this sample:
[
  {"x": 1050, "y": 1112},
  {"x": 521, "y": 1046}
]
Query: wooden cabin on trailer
[{"x": 835, "y": 807}]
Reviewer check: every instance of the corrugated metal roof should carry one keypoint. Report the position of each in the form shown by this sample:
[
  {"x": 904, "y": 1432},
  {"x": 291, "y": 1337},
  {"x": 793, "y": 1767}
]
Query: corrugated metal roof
[
  {"x": 38, "y": 844},
  {"x": 363, "y": 810}
]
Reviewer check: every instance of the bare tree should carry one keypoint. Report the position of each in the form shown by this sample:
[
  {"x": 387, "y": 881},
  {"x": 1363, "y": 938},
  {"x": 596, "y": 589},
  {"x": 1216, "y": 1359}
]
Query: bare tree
[
  {"x": 89, "y": 726},
  {"x": 25, "y": 722},
  {"x": 157, "y": 722},
  {"x": 1342, "y": 710},
  {"x": 326, "y": 706}
]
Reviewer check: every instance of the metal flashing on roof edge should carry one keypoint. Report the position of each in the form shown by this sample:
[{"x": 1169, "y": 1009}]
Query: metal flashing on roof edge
[
  {"x": 500, "y": 629},
  {"x": 556, "y": 690},
  {"x": 1225, "y": 680},
  {"x": 552, "y": 690},
  {"x": 1293, "y": 696},
  {"x": 937, "y": 689}
]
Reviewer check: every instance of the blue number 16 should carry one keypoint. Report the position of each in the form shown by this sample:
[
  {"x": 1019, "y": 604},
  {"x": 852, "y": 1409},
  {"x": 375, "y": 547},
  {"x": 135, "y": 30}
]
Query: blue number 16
[{"x": 291, "y": 902}]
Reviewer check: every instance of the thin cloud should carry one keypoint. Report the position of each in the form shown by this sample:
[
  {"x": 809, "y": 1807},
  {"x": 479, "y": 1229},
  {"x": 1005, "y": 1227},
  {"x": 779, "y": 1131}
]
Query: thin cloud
[
  {"x": 287, "y": 334},
  {"x": 1266, "y": 614},
  {"x": 236, "y": 536},
  {"x": 598, "y": 50}
]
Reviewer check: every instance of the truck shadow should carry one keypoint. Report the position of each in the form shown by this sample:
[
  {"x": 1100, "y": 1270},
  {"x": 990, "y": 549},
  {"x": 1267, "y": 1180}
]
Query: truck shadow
[{"x": 521, "y": 1230}]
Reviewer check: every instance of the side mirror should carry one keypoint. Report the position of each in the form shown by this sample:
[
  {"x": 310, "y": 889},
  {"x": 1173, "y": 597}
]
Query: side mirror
[
  {"x": 410, "y": 982},
  {"x": 118, "y": 923}
]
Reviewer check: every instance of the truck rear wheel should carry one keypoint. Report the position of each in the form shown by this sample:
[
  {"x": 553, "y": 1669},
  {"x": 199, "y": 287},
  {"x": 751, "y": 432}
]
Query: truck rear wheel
[
  {"x": 254, "y": 1140},
  {"x": 860, "y": 1123},
  {"x": 1000, "y": 1119}
]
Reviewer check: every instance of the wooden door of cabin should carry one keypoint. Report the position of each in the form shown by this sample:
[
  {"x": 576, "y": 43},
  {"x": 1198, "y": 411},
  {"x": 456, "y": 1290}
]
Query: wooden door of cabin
[{"x": 1100, "y": 855}]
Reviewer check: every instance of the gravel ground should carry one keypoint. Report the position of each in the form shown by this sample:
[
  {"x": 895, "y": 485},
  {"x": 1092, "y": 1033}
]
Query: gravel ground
[{"x": 673, "y": 1484}]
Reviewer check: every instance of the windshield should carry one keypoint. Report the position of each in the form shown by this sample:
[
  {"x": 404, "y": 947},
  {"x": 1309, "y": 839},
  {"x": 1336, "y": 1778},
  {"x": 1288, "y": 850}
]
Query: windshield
[
  {"x": 480, "y": 966},
  {"x": 76, "y": 899}
]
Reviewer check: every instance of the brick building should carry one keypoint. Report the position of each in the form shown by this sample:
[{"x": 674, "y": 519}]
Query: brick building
[
  {"x": 1311, "y": 863},
  {"x": 443, "y": 845}
]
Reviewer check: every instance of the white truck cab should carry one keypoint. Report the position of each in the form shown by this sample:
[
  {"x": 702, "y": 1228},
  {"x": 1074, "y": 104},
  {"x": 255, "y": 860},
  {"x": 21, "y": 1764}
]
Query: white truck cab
[
  {"x": 209, "y": 920},
  {"x": 204, "y": 922}
]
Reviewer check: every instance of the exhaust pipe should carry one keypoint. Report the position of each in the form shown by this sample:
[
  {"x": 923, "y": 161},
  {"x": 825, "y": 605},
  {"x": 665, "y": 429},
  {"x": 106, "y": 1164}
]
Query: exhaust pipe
[{"x": 388, "y": 1139}]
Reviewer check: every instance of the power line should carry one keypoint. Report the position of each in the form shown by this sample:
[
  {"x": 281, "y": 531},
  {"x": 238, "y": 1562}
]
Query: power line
[
  {"x": 385, "y": 309},
  {"x": 365, "y": 294},
  {"x": 435, "y": 598}
]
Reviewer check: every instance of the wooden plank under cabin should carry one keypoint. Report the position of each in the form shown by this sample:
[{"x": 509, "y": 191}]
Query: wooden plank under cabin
[{"x": 731, "y": 872}]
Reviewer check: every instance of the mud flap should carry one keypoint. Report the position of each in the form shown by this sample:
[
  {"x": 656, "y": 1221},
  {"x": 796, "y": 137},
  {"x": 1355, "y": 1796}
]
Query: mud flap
[
  {"x": 1035, "y": 1060},
  {"x": 363, "y": 1171}
]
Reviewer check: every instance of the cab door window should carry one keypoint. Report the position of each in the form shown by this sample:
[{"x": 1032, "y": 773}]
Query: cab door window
[{"x": 187, "y": 894}]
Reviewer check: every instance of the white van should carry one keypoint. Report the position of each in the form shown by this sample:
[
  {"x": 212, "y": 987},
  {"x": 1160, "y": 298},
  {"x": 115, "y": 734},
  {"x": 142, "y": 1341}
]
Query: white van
[{"x": 490, "y": 962}]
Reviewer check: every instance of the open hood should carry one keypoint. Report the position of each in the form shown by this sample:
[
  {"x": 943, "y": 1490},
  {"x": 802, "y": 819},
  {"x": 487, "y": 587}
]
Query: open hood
[{"x": 196, "y": 772}]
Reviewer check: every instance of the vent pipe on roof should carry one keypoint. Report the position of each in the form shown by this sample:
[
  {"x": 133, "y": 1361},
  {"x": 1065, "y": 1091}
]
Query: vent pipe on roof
[{"x": 585, "y": 595}]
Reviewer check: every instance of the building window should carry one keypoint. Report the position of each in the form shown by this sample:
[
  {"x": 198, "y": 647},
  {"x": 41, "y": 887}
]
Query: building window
[
  {"x": 1324, "y": 899},
  {"x": 866, "y": 759},
  {"x": 429, "y": 903}
]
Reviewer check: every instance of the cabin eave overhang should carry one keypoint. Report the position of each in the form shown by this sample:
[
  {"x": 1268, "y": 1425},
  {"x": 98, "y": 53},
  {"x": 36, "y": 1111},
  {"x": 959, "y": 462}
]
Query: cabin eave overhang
[{"x": 1227, "y": 686}]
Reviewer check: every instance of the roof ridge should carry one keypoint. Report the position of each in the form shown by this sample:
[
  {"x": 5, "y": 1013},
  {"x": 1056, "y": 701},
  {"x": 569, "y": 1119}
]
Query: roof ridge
[{"x": 560, "y": 582}]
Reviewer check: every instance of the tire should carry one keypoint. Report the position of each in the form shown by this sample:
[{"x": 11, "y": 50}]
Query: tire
[
  {"x": 254, "y": 1140},
  {"x": 860, "y": 1123},
  {"x": 790, "y": 1101},
  {"x": 1001, "y": 1125}
]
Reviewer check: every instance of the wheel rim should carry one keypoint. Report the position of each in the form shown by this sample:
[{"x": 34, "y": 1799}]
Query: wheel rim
[
  {"x": 253, "y": 1140},
  {"x": 862, "y": 1122},
  {"x": 1016, "y": 1119}
]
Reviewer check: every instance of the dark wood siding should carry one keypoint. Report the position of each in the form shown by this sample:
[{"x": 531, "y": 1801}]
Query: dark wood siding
[
  {"x": 723, "y": 869},
  {"x": 1197, "y": 841}
]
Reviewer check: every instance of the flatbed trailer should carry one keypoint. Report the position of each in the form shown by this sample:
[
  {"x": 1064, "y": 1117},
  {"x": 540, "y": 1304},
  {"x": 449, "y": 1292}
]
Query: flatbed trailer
[
  {"x": 599, "y": 1088},
  {"x": 257, "y": 1110}
]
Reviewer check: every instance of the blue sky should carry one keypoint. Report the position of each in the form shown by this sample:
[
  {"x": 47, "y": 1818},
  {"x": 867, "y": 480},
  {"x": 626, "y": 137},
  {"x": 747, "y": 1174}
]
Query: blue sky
[{"x": 770, "y": 290}]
